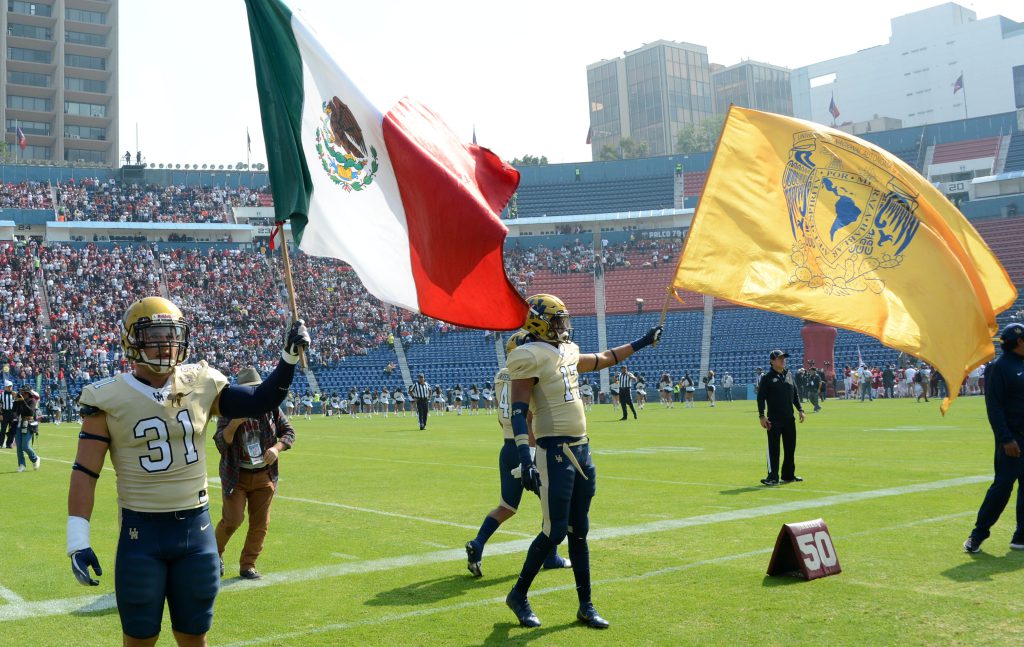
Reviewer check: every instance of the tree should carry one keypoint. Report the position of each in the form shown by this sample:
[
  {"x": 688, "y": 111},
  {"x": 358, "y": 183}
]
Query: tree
[
  {"x": 628, "y": 148},
  {"x": 700, "y": 137},
  {"x": 530, "y": 160}
]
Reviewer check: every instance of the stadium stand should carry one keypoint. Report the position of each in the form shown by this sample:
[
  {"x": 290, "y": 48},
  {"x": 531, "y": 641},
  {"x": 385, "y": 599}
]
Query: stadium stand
[
  {"x": 1015, "y": 154},
  {"x": 966, "y": 150}
]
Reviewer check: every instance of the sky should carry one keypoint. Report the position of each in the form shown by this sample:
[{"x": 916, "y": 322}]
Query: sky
[{"x": 516, "y": 72}]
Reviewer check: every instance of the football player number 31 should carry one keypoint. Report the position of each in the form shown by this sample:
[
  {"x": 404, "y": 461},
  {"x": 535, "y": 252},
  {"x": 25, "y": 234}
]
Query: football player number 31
[{"x": 161, "y": 454}]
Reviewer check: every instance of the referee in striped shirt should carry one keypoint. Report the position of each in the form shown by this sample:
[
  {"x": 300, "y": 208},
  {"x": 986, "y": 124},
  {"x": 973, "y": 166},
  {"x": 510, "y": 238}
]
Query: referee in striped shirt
[
  {"x": 626, "y": 383},
  {"x": 7, "y": 424},
  {"x": 421, "y": 392}
]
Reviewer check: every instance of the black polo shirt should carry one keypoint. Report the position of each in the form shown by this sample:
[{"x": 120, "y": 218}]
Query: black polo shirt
[{"x": 778, "y": 391}]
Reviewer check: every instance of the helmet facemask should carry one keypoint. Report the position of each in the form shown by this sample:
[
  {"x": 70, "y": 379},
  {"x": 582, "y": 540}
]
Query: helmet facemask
[
  {"x": 160, "y": 343},
  {"x": 560, "y": 327}
]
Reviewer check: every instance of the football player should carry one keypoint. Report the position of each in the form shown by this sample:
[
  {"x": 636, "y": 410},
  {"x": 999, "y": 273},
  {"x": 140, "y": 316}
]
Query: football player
[
  {"x": 508, "y": 471},
  {"x": 546, "y": 374},
  {"x": 152, "y": 421}
]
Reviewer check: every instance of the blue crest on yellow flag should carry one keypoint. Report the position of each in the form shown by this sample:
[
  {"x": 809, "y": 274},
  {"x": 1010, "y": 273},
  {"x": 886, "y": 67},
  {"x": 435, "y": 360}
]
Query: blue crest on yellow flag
[{"x": 849, "y": 214}]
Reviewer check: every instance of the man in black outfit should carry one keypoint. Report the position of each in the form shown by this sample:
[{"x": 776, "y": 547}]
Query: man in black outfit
[
  {"x": 1004, "y": 402},
  {"x": 421, "y": 391},
  {"x": 778, "y": 391},
  {"x": 8, "y": 419},
  {"x": 627, "y": 381}
]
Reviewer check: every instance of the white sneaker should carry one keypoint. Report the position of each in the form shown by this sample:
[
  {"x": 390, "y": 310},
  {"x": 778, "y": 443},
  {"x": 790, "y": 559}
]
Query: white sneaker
[
  {"x": 21, "y": 468},
  {"x": 36, "y": 462}
]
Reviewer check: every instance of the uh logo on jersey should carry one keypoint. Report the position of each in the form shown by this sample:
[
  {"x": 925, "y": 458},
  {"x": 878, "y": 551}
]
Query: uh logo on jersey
[
  {"x": 849, "y": 212},
  {"x": 342, "y": 149}
]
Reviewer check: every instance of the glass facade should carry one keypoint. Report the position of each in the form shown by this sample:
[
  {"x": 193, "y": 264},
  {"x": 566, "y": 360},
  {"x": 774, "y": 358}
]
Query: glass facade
[
  {"x": 84, "y": 38},
  {"x": 81, "y": 15},
  {"x": 29, "y": 31},
  {"x": 667, "y": 85},
  {"x": 89, "y": 62},
  {"x": 1018, "y": 86},
  {"x": 30, "y": 9},
  {"x": 85, "y": 132},
  {"x": 82, "y": 155},
  {"x": 84, "y": 85},
  {"x": 29, "y": 103},
  {"x": 35, "y": 152},
  {"x": 30, "y": 78},
  {"x": 28, "y": 127},
  {"x": 753, "y": 85},
  {"x": 30, "y": 55},
  {"x": 84, "y": 109},
  {"x": 603, "y": 89}
]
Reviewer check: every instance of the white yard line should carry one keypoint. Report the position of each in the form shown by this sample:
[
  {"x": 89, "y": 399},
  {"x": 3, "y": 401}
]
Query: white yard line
[
  {"x": 394, "y": 617},
  {"x": 101, "y": 602},
  {"x": 212, "y": 482},
  {"x": 10, "y": 596}
]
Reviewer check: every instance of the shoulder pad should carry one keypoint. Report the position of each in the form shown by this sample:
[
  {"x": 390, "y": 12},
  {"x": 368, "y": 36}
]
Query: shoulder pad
[{"x": 87, "y": 410}]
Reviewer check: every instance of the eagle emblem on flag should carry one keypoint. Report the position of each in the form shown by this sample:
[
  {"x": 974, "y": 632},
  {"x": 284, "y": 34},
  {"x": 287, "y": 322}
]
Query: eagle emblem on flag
[
  {"x": 342, "y": 149},
  {"x": 850, "y": 214}
]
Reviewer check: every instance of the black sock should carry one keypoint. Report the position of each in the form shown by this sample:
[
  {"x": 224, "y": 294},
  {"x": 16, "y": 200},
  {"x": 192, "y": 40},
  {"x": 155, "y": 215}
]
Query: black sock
[
  {"x": 535, "y": 557},
  {"x": 579, "y": 553}
]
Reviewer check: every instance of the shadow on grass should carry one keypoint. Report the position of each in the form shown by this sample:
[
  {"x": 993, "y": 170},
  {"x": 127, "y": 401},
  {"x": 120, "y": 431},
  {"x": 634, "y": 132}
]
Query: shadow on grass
[
  {"x": 105, "y": 605},
  {"x": 743, "y": 490},
  {"x": 786, "y": 580},
  {"x": 505, "y": 633},
  {"x": 982, "y": 566},
  {"x": 436, "y": 590}
]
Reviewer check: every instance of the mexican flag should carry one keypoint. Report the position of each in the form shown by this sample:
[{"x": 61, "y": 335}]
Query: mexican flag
[{"x": 389, "y": 190}]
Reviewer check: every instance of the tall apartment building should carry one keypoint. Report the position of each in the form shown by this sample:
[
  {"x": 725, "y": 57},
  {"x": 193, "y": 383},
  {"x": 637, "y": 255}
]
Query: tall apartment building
[
  {"x": 751, "y": 84},
  {"x": 647, "y": 95},
  {"x": 59, "y": 73}
]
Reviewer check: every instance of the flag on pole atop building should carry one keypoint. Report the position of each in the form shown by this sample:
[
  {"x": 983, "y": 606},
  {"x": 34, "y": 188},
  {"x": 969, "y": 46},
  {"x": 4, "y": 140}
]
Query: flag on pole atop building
[
  {"x": 833, "y": 108},
  {"x": 22, "y": 140},
  {"x": 808, "y": 221},
  {"x": 248, "y": 141},
  {"x": 959, "y": 84},
  {"x": 388, "y": 189}
]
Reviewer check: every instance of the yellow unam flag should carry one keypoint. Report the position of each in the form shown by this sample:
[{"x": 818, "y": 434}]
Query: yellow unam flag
[{"x": 808, "y": 221}]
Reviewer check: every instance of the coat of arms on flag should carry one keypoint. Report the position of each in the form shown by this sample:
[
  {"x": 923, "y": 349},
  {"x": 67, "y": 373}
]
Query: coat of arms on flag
[
  {"x": 849, "y": 213},
  {"x": 342, "y": 150}
]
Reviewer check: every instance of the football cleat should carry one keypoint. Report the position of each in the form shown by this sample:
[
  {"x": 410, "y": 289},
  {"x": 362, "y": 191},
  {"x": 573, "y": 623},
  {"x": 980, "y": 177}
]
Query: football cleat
[
  {"x": 521, "y": 607},
  {"x": 557, "y": 561},
  {"x": 474, "y": 557},
  {"x": 972, "y": 545},
  {"x": 795, "y": 479},
  {"x": 588, "y": 615}
]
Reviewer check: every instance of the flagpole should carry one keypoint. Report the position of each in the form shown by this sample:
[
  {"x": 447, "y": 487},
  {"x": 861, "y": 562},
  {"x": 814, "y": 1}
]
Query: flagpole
[
  {"x": 963, "y": 88},
  {"x": 291, "y": 289}
]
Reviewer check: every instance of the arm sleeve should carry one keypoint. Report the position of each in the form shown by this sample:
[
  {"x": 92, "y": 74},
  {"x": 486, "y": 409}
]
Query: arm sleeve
[
  {"x": 252, "y": 402},
  {"x": 995, "y": 403},
  {"x": 761, "y": 397},
  {"x": 796, "y": 399}
]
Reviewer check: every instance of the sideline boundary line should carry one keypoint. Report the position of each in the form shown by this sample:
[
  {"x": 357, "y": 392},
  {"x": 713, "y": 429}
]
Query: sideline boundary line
[{"x": 93, "y": 603}]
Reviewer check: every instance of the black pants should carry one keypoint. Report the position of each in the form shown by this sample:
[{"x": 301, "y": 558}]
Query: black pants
[
  {"x": 1008, "y": 471},
  {"x": 8, "y": 427},
  {"x": 626, "y": 398},
  {"x": 784, "y": 430},
  {"x": 421, "y": 410}
]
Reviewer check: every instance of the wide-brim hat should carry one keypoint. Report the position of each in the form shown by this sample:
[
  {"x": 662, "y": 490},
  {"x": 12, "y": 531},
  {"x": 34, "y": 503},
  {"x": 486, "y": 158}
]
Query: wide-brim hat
[{"x": 249, "y": 377}]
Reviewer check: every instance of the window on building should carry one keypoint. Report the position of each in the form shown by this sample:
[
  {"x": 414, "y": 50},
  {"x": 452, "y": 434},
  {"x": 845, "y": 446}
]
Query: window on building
[
  {"x": 30, "y": 78},
  {"x": 29, "y": 103},
  {"x": 29, "y": 8},
  {"x": 82, "y": 155},
  {"x": 85, "y": 109},
  {"x": 30, "y": 55},
  {"x": 81, "y": 15},
  {"x": 29, "y": 31},
  {"x": 28, "y": 127},
  {"x": 84, "y": 85},
  {"x": 85, "y": 132},
  {"x": 89, "y": 62},
  {"x": 85, "y": 38}
]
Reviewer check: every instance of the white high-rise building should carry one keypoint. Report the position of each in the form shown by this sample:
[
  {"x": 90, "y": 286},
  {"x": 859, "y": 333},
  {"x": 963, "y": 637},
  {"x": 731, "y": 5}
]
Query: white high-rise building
[
  {"x": 59, "y": 71},
  {"x": 913, "y": 77}
]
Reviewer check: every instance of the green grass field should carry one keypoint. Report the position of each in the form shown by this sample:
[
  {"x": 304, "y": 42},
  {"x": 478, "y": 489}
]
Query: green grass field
[{"x": 366, "y": 536}]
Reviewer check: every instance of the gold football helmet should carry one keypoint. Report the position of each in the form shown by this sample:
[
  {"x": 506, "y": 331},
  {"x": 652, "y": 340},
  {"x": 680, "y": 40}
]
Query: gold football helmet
[
  {"x": 154, "y": 333},
  {"x": 548, "y": 319},
  {"x": 517, "y": 339}
]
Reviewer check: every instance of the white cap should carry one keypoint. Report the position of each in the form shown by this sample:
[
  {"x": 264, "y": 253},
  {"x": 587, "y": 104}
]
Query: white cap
[{"x": 8, "y": 383}]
